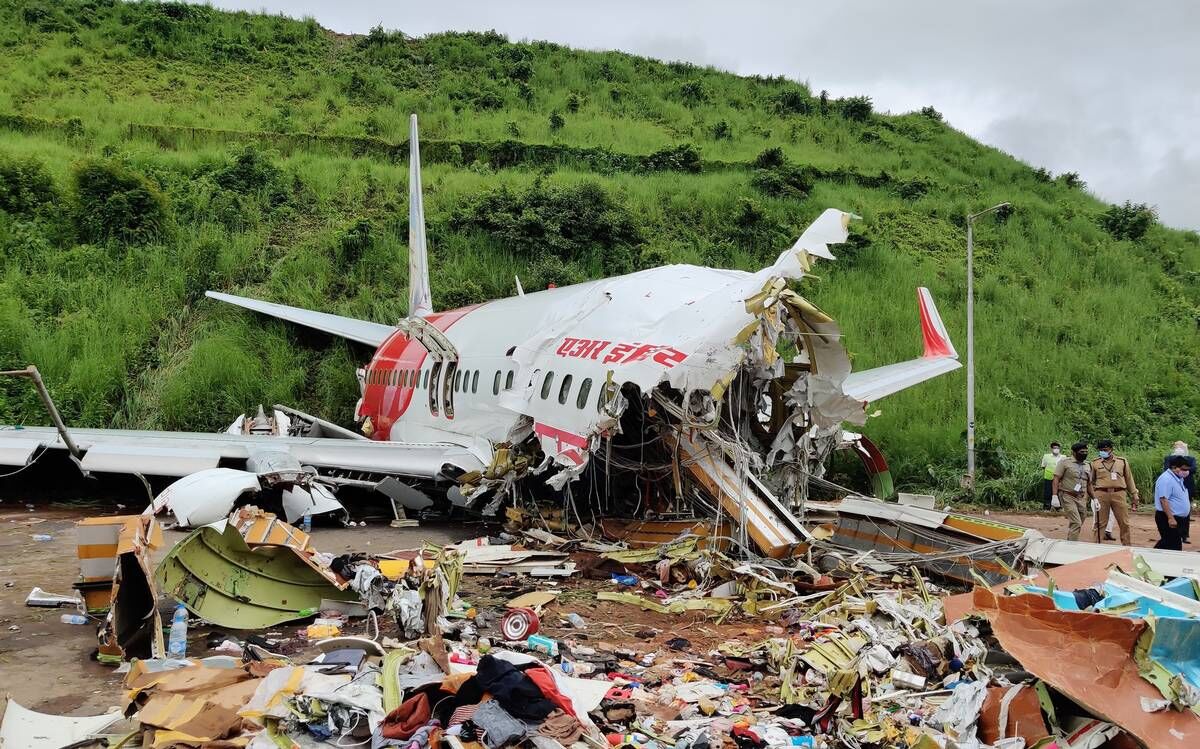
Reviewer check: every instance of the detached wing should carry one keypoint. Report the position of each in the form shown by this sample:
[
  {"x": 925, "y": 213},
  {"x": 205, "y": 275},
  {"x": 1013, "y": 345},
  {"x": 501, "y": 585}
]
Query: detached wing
[
  {"x": 939, "y": 358},
  {"x": 183, "y": 453},
  {"x": 370, "y": 333}
]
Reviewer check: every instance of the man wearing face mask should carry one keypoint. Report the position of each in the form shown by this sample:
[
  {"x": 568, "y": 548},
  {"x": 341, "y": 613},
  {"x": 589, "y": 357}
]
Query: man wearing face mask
[
  {"x": 1171, "y": 503},
  {"x": 1049, "y": 463},
  {"x": 1073, "y": 488},
  {"x": 1189, "y": 482},
  {"x": 1113, "y": 483}
]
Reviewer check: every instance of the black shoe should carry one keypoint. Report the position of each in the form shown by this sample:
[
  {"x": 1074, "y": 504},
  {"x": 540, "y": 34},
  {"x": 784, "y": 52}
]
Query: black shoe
[{"x": 1108, "y": 536}]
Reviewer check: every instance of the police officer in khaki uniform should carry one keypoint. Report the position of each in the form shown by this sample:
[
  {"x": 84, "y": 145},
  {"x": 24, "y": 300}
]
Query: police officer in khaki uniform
[
  {"x": 1073, "y": 487},
  {"x": 1113, "y": 483}
]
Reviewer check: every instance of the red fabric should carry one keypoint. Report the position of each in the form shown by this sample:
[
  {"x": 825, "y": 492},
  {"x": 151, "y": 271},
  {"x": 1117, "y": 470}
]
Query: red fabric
[
  {"x": 404, "y": 721},
  {"x": 545, "y": 682}
]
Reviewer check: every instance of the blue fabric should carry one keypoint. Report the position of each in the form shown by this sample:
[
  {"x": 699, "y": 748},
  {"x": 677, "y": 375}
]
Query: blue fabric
[{"x": 1171, "y": 487}]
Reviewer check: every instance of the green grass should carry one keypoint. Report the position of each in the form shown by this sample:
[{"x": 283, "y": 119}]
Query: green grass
[{"x": 1078, "y": 334}]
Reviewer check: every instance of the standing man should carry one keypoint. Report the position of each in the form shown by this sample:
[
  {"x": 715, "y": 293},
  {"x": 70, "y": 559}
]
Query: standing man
[
  {"x": 1171, "y": 503},
  {"x": 1189, "y": 483},
  {"x": 1113, "y": 482},
  {"x": 1073, "y": 488},
  {"x": 1049, "y": 463}
]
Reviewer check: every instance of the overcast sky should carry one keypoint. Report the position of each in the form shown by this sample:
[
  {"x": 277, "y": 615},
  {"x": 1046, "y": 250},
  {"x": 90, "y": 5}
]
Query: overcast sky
[{"x": 1106, "y": 89}]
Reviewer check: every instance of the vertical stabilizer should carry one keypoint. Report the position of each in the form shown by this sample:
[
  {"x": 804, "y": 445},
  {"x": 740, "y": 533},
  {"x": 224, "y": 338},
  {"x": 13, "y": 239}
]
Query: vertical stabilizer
[{"x": 420, "y": 301}]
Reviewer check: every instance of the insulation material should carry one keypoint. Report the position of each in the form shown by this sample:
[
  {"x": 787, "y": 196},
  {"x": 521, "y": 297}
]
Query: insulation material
[{"x": 1089, "y": 658}]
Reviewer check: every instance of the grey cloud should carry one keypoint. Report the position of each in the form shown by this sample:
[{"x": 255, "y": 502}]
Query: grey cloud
[{"x": 1104, "y": 89}]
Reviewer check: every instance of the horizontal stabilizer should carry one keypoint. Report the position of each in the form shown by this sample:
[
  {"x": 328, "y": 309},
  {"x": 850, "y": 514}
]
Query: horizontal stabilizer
[
  {"x": 362, "y": 331},
  {"x": 939, "y": 357}
]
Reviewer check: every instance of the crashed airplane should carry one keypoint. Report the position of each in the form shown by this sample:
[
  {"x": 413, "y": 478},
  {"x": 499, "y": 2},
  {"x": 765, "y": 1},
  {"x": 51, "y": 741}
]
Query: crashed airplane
[{"x": 669, "y": 391}]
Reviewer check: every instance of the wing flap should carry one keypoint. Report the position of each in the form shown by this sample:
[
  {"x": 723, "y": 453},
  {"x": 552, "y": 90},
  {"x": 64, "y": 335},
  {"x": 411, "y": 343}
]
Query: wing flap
[
  {"x": 153, "y": 459},
  {"x": 362, "y": 331}
]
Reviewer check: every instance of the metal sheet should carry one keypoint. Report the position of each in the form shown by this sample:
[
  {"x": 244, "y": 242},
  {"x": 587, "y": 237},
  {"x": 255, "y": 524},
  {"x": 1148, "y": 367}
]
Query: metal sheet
[
  {"x": 150, "y": 459},
  {"x": 1087, "y": 657},
  {"x": 873, "y": 508},
  {"x": 1053, "y": 551},
  {"x": 220, "y": 579}
]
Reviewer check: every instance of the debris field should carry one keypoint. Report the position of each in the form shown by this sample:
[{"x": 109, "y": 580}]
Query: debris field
[{"x": 247, "y": 634}]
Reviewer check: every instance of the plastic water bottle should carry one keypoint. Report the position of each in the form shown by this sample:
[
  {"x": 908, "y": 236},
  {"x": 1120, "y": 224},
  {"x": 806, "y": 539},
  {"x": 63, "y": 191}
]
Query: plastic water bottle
[
  {"x": 42, "y": 537},
  {"x": 177, "y": 643},
  {"x": 73, "y": 619},
  {"x": 306, "y": 524}
]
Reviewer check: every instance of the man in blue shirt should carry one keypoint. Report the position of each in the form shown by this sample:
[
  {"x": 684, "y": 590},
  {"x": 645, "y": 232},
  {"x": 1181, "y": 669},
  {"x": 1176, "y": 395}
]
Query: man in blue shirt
[{"x": 1171, "y": 503}]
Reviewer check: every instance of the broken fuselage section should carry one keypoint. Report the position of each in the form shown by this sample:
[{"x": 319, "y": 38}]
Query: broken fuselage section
[{"x": 613, "y": 389}]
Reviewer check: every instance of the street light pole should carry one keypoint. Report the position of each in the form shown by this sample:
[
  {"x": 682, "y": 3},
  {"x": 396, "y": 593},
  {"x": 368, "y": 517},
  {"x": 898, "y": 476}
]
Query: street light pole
[{"x": 971, "y": 342}]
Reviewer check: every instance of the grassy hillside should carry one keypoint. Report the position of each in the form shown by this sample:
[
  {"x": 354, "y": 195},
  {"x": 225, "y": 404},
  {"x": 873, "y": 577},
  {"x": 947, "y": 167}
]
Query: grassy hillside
[{"x": 148, "y": 152}]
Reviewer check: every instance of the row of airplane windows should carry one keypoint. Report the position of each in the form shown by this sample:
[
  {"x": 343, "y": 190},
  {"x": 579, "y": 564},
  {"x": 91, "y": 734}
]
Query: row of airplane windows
[{"x": 468, "y": 381}]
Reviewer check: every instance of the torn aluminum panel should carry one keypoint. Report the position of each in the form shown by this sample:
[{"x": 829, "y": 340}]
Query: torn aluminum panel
[
  {"x": 1089, "y": 658},
  {"x": 208, "y": 496},
  {"x": 205, "y": 497},
  {"x": 948, "y": 553},
  {"x": 27, "y": 729},
  {"x": 218, "y": 577},
  {"x": 133, "y": 628},
  {"x": 314, "y": 499}
]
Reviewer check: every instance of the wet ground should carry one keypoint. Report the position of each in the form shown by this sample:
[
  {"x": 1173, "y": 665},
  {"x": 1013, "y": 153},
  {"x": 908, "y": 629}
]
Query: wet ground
[{"x": 46, "y": 665}]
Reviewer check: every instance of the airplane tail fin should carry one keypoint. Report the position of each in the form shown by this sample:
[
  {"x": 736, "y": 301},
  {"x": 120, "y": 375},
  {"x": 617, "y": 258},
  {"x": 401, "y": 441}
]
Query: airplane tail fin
[
  {"x": 420, "y": 300},
  {"x": 933, "y": 330},
  {"x": 938, "y": 357}
]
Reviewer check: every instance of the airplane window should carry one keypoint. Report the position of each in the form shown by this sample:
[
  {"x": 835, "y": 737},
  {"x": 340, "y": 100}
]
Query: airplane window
[
  {"x": 496, "y": 383},
  {"x": 457, "y": 380},
  {"x": 565, "y": 389},
  {"x": 425, "y": 379},
  {"x": 475, "y": 382},
  {"x": 585, "y": 388},
  {"x": 466, "y": 382},
  {"x": 394, "y": 376},
  {"x": 547, "y": 384},
  {"x": 508, "y": 380}
]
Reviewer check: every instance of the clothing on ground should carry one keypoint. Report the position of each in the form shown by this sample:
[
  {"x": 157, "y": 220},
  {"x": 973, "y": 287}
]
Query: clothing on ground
[
  {"x": 497, "y": 725},
  {"x": 513, "y": 689}
]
